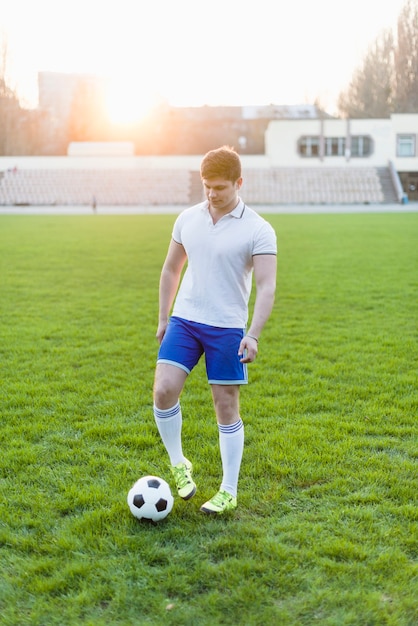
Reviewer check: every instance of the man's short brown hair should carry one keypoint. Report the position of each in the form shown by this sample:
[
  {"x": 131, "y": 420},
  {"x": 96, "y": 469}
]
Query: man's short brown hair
[{"x": 223, "y": 163}]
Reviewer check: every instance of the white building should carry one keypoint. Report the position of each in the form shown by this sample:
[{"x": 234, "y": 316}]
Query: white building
[{"x": 378, "y": 143}]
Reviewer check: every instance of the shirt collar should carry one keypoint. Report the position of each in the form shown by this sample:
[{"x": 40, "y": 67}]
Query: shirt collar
[
  {"x": 237, "y": 212},
  {"x": 239, "y": 209}
]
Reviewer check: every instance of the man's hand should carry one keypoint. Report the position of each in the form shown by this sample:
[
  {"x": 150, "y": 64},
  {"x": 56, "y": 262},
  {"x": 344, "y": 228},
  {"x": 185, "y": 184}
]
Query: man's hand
[
  {"x": 248, "y": 349},
  {"x": 162, "y": 327}
]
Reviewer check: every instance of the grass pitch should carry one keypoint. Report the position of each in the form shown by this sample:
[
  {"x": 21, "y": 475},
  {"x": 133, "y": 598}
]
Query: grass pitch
[{"x": 327, "y": 526}]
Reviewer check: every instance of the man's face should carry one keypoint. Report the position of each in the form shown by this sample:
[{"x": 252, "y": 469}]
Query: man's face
[{"x": 222, "y": 194}]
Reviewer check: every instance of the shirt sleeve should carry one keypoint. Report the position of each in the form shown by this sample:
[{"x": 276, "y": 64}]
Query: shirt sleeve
[
  {"x": 265, "y": 241},
  {"x": 176, "y": 234}
]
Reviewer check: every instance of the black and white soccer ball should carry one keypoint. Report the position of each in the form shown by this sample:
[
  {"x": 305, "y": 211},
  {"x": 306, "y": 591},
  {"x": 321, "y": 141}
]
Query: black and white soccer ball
[{"x": 150, "y": 498}]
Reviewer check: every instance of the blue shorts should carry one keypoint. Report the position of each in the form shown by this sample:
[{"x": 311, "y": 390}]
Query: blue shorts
[{"x": 184, "y": 343}]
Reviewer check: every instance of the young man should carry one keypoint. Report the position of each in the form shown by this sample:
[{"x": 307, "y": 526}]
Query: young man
[{"x": 224, "y": 243}]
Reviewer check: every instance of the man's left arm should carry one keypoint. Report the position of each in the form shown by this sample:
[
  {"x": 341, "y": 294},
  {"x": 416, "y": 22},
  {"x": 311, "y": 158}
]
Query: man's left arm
[{"x": 265, "y": 269}]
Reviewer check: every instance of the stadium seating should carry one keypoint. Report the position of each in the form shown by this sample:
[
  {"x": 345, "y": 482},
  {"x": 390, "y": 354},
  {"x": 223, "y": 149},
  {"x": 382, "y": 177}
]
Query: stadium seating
[
  {"x": 160, "y": 186},
  {"x": 106, "y": 186},
  {"x": 314, "y": 186}
]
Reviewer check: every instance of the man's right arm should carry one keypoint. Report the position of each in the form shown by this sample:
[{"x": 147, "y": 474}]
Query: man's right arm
[{"x": 169, "y": 282}]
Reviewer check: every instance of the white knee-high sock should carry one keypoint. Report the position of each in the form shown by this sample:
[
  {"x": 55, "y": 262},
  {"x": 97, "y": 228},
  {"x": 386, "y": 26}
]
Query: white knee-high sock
[
  {"x": 169, "y": 423},
  {"x": 231, "y": 443}
]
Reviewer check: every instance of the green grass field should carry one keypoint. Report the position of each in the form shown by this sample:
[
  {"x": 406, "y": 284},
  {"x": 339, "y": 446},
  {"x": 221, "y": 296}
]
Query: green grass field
[{"x": 327, "y": 526}]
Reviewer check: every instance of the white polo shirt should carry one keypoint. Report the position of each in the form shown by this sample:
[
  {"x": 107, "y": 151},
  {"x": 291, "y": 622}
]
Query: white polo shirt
[{"x": 216, "y": 285}]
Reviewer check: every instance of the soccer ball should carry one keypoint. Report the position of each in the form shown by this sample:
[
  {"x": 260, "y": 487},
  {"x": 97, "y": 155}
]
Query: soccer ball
[{"x": 150, "y": 499}]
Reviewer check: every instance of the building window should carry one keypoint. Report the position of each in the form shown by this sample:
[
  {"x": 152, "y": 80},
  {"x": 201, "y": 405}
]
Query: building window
[
  {"x": 405, "y": 145},
  {"x": 334, "y": 146},
  {"x": 361, "y": 146},
  {"x": 309, "y": 146}
]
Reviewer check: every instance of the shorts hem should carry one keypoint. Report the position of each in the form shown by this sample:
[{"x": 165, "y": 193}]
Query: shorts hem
[
  {"x": 227, "y": 382},
  {"x": 175, "y": 363}
]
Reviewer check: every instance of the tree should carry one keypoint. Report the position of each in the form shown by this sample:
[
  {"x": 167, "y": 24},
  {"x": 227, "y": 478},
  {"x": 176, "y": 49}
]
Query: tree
[
  {"x": 406, "y": 59},
  {"x": 387, "y": 81},
  {"x": 9, "y": 106},
  {"x": 371, "y": 91}
]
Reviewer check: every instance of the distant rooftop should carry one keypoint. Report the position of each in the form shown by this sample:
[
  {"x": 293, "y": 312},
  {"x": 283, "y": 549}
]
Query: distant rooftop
[{"x": 285, "y": 111}]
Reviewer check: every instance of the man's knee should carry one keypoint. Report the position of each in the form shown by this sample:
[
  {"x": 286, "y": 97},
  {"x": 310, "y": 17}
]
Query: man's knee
[
  {"x": 168, "y": 383},
  {"x": 163, "y": 394}
]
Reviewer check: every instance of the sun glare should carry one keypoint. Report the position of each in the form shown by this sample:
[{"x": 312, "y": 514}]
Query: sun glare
[{"x": 127, "y": 104}]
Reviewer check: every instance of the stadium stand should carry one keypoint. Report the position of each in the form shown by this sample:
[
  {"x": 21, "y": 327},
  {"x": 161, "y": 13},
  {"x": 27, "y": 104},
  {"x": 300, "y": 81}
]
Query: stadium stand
[
  {"x": 107, "y": 186},
  {"x": 149, "y": 186},
  {"x": 317, "y": 186}
]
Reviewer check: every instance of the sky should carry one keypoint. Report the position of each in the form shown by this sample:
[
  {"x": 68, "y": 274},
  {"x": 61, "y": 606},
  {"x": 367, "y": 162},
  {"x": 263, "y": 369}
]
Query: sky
[{"x": 194, "y": 53}]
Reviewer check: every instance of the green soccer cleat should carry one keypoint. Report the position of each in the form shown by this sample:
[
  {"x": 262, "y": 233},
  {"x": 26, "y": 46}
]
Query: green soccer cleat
[
  {"x": 222, "y": 502},
  {"x": 182, "y": 473}
]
